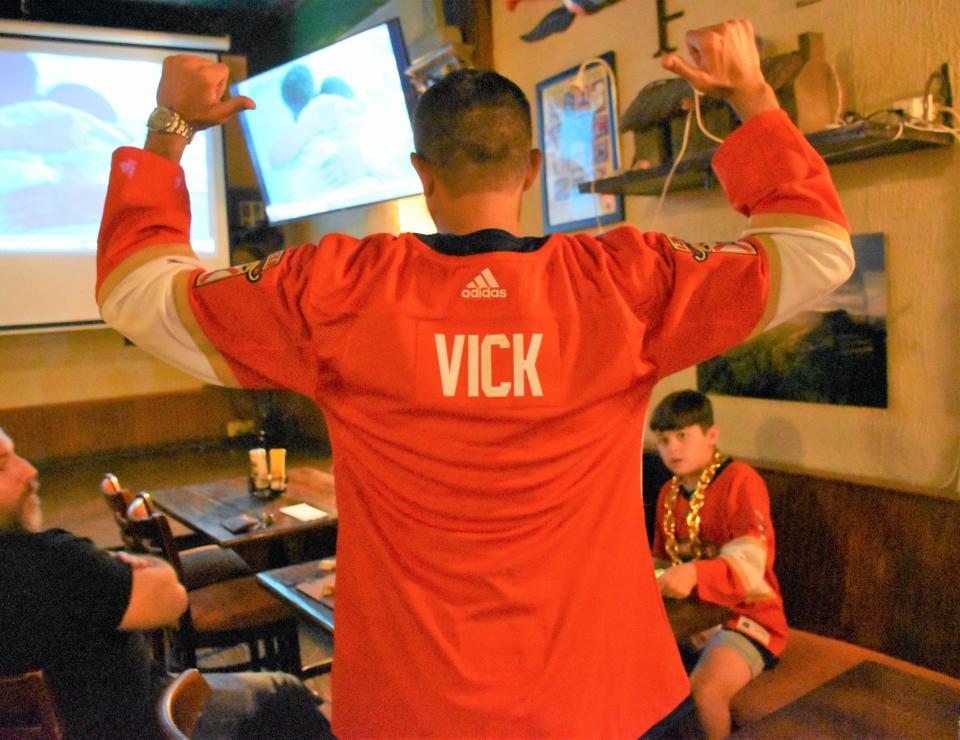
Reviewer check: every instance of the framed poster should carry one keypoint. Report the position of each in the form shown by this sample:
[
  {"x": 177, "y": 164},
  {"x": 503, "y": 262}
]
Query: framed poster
[
  {"x": 836, "y": 352},
  {"x": 578, "y": 139}
]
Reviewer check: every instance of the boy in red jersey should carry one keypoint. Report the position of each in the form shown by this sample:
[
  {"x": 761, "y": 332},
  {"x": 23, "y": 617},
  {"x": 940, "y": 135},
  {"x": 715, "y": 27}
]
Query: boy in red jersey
[
  {"x": 485, "y": 392},
  {"x": 714, "y": 534}
]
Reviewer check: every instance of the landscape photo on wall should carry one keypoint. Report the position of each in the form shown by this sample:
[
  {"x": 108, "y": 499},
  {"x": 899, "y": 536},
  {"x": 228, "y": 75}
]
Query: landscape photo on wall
[{"x": 834, "y": 353}]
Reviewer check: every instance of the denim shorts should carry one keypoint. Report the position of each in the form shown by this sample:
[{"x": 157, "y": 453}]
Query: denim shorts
[{"x": 754, "y": 654}]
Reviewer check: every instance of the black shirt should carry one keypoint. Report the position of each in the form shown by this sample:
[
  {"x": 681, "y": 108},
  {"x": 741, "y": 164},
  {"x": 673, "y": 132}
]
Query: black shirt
[{"x": 62, "y": 600}]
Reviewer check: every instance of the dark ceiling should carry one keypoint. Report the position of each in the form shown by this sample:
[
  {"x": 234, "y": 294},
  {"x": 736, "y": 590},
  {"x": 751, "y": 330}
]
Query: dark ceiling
[{"x": 257, "y": 28}]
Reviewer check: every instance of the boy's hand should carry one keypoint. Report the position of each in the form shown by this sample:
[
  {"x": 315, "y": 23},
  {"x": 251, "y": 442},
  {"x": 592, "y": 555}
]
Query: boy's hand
[
  {"x": 194, "y": 88},
  {"x": 726, "y": 64},
  {"x": 678, "y": 582}
]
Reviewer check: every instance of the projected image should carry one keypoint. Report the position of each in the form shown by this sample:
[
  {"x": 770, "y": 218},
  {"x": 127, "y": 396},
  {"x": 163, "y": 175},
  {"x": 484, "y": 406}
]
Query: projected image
[
  {"x": 331, "y": 129},
  {"x": 65, "y": 106},
  {"x": 61, "y": 117}
]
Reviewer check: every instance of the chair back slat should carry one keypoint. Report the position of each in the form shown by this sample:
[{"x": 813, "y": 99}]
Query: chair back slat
[
  {"x": 28, "y": 709},
  {"x": 155, "y": 535}
]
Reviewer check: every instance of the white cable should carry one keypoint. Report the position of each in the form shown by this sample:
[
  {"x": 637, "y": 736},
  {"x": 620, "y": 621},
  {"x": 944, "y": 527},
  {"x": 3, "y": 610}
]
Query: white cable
[
  {"x": 838, "y": 114},
  {"x": 676, "y": 163},
  {"x": 696, "y": 106}
]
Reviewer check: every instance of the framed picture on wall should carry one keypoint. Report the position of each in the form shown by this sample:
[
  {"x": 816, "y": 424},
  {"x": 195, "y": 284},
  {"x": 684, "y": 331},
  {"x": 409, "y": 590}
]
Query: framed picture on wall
[
  {"x": 577, "y": 116},
  {"x": 835, "y": 352}
]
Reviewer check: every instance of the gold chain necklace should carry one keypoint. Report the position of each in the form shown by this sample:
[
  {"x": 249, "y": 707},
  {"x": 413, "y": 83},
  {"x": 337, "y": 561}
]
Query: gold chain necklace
[{"x": 693, "y": 516}]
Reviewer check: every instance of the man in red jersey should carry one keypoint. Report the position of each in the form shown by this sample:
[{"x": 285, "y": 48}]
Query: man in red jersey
[{"x": 485, "y": 392}]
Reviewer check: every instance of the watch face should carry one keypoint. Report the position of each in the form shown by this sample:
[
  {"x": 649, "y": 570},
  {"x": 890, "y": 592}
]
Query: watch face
[{"x": 162, "y": 119}]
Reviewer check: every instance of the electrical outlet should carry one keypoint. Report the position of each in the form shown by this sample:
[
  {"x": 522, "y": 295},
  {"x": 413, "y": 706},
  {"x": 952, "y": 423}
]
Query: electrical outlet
[
  {"x": 240, "y": 427},
  {"x": 918, "y": 107},
  {"x": 928, "y": 106}
]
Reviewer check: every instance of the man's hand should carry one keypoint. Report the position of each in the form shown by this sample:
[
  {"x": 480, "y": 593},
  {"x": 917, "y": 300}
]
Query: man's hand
[
  {"x": 677, "y": 582},
  {"x": 134, "y": 561},
  {"x": 194, "y": 88},
  {"x": 726, "y": 64}
]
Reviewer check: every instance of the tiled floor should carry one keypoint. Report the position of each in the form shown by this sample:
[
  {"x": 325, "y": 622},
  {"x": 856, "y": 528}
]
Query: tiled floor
[{"x": 71, "y": 500}]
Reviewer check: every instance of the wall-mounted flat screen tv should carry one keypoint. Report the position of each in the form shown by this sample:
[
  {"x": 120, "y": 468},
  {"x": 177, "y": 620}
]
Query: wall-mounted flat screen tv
[
  {"x": 332, "y": 128},
  {"x": 69, "y": 96}
]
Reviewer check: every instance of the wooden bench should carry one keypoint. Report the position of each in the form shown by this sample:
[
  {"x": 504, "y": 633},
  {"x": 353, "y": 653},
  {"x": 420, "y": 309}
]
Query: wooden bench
[
  {"x": 868, "y": 573},
  {"x": 808, "y": 662}
]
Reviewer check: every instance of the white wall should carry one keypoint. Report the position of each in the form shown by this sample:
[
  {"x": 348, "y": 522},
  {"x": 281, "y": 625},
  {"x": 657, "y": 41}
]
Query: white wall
[{"x": 883, "y": 50}]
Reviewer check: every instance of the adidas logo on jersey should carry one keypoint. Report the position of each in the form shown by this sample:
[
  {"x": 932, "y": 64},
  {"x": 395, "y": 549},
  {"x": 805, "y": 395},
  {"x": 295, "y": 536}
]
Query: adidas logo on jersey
[{"x": 484, "y": 285}]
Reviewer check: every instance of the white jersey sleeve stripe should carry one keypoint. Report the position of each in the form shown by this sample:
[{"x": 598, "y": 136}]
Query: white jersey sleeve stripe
[
  {"x": 805, "y": 267},
  {"x": 747, "y": 557},
  {"x": 159, "y": 330}
]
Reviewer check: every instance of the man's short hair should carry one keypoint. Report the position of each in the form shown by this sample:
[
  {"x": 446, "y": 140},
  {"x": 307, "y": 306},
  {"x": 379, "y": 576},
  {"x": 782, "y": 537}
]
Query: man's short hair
[
  {"x": 474, "y": 127},
  {"x": 682, "y": 409}
]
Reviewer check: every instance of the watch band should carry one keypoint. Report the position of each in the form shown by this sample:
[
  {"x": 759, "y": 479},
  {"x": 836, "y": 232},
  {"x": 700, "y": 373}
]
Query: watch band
[{"x": 165, "y": 120}]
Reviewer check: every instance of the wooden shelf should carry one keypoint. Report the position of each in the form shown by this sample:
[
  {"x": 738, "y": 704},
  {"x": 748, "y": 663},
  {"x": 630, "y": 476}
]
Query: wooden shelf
[{"x": 861, "y": 140}]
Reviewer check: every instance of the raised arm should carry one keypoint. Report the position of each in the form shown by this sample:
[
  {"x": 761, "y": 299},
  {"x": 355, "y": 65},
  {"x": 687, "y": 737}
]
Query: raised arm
[
  {"x": 144, "y": 258},
  {"x": 793, "y": 207}
]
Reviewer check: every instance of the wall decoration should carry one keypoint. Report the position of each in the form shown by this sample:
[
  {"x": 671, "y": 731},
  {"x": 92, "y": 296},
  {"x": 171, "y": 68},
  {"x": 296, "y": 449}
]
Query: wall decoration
[
  {"x": 835, "y": 353},
  {"x": 578, "y": 124},
  {"x": 560, "y": 19}
]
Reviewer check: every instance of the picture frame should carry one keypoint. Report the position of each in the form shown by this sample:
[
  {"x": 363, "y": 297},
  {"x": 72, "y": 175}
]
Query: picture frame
[
  {"x": 578, "y": 139},
  {"x": 833, "y": 353}
]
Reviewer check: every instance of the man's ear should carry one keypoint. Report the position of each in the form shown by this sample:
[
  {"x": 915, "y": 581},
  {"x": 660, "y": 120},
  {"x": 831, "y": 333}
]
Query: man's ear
[
  {"x": 533, "y": 168},
  {"x": 422, "y": 166}
]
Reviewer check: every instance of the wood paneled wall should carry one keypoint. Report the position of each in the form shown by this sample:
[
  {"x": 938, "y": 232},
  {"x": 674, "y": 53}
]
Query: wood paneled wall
[
  {"x": 860, "y": 562},
  {"x": 871, "y": 565},
  {"x": 86, "y": 427}
]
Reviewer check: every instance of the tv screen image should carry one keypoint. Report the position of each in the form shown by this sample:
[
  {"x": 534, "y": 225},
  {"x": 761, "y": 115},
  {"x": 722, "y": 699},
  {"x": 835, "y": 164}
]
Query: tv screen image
[
  {"x": 332, "y": 128},
  {"x": 64, "y": 108}
]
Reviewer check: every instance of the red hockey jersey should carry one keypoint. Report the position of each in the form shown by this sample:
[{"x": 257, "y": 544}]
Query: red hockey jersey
[{"x": 486, "y": 414}]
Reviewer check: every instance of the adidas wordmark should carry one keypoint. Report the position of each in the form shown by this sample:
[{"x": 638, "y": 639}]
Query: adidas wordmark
[{"x": 484, "y": 285}]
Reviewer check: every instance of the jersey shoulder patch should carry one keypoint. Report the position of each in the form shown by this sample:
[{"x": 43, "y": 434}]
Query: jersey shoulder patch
[
  {"x": 253, "y": 271},
  {"x": 701, "y": 251}
]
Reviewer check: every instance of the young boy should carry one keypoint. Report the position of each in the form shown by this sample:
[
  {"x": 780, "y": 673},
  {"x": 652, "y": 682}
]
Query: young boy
[{"x": 714, "y": 534}]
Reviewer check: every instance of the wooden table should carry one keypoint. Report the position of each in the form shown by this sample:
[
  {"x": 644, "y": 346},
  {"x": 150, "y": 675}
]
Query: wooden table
[
  {"x": 869, "y": 700},
  {"x": 690, "y": 616},
  {"x": 205, "y": 506},
  {"x": 687, "y": 616},
  {"x": 283, "y": 583}
]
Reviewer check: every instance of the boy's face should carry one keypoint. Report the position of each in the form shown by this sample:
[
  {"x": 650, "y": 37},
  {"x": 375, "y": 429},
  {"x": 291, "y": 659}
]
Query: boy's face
[{"x": 687, "y": 451}]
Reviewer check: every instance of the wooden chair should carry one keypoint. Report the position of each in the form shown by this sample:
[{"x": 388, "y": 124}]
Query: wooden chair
[
  {"x": 203, "y": 563},
  {"x": 238, "y": 611},
  {"x": 28, "y": 710},
  {"x": 181, "y": 704}
]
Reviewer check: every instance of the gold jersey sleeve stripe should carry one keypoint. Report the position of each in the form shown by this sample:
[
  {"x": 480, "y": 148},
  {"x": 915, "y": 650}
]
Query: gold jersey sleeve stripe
[
  {"x": 181, "y": 291},
  {"x": 773, "y": 291},
  {"x": 773, "y": 221},
  {"x": 138, "y": 260}
]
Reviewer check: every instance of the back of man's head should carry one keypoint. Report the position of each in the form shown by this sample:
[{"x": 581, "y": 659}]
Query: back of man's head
[
  {"x": 680, "y": 410},
  {"x": 474, "y": 128}
]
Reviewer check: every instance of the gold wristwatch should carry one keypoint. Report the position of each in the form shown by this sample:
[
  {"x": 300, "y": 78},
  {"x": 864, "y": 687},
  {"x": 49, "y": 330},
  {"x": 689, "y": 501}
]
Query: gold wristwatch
[{"x": 167, "y": 121}]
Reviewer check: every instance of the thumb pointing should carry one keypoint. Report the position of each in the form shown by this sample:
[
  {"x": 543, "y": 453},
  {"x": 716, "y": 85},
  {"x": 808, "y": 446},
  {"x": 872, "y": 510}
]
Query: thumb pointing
[{"x": 694, "y": 75}]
